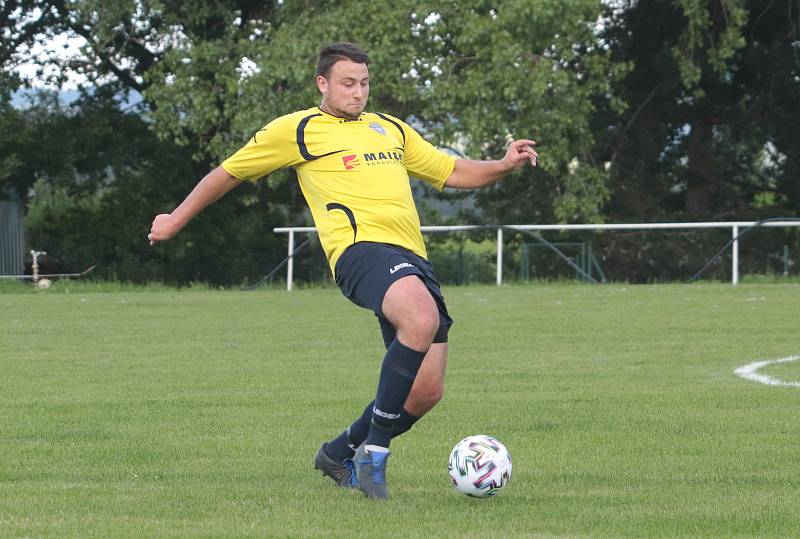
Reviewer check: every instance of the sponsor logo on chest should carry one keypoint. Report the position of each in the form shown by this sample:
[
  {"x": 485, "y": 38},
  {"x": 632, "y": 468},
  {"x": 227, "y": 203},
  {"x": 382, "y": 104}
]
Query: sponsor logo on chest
[
  {"x": 371, "y": 159},
  {"x": 350, "y": 162}
]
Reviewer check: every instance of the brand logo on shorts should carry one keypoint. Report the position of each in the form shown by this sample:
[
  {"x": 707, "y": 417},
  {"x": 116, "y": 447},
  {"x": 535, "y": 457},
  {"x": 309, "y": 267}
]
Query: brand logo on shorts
[
  {"x": 350, "y": 162},
  {"x": 400, "y": 266}
]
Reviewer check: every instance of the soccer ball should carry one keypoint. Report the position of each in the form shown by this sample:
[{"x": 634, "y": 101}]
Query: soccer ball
[
  {"x": 479, "y": 466},
  {"x": 43, "y": 284}
]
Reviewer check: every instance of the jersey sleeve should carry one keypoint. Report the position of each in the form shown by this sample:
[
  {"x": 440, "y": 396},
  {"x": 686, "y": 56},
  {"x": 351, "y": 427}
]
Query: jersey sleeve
[
  {"x": 424, "y": 161},
  {"x": 272, "y": 148}
]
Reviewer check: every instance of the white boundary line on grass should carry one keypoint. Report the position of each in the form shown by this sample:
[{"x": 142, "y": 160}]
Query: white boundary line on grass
[{"x": 749, "y": 372}]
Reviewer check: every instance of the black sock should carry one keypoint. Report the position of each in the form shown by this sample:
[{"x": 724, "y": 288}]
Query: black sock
[
  {"x": 343, "y": 446},
  {"x": 400, "y": 366},
  {"x": 404, "y": 424},
  {"x": 339, "y": 448},
  {"x": 359, "y": 430}
]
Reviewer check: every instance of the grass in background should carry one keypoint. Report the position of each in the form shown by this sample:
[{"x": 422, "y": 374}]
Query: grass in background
[
  {"x": 69, "y": 286},
  {"x": 198, "y": 412}
]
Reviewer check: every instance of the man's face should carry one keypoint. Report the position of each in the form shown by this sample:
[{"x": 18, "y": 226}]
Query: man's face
[{"x": 345, "y": 91}]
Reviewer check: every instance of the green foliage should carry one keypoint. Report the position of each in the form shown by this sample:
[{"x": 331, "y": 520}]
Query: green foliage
[
  {"x": 643, "y": 111},
  {"x": 712, "y": 36},
  {"x": 525, "y": 70},
  {"x": 23, "y": 134},
  {"x": 499, "y": 75},
  {"x": 194, "y": 89},
  {"x": 460, "y": 260},
  {"x": 711, "y": 95},
  {"x": 96, "y": 194}
]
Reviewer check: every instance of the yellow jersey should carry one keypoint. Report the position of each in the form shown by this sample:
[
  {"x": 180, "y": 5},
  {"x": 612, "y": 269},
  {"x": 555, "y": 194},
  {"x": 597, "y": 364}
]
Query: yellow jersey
[{"x": 354, "y": 174}]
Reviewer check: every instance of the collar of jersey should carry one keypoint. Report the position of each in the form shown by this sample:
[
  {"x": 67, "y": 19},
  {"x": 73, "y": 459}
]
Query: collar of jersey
[{"x": 344, "y": 120}]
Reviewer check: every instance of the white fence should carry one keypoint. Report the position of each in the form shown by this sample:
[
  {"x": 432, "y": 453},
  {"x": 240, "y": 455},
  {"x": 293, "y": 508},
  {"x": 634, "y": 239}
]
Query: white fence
[{"x": 735, "y": 227}]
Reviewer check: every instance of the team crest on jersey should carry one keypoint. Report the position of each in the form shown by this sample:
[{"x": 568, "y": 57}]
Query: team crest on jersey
[{"x": 378, "y": 128}]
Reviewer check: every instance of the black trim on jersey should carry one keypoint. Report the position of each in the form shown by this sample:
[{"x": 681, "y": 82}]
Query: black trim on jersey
[
  {"x": 348, "y": 212},
  {"x": 301, "y": 142},
  {"x": 397, "y": 125}
]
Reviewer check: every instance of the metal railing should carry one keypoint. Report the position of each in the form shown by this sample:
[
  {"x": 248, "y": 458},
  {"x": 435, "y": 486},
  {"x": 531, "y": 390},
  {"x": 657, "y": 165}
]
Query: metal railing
[{"x": 735, "y": 226}]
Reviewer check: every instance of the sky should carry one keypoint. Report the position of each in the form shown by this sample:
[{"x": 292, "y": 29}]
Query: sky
[
  {"x": 40, "y": 54},
  {"x": 38, "y": 57}
]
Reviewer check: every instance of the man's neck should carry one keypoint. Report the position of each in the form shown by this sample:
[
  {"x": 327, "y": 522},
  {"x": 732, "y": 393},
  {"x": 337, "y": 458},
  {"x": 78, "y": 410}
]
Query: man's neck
[{"x": 324, "y": 108}]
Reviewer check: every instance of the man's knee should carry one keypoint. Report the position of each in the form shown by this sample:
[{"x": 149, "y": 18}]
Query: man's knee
[{"x": 422, "y": 324}]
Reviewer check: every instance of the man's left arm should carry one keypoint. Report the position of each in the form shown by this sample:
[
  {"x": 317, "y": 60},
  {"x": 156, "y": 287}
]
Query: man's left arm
[{"x": 471, "y": 173}]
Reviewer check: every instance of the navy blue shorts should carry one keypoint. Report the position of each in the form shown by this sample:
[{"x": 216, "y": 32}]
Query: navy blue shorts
[{"x": 366, "y": 270}]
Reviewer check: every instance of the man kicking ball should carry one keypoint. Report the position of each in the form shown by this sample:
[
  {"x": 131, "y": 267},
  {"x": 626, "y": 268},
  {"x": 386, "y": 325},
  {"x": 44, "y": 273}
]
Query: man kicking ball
[{"x": 353, "y": 168}]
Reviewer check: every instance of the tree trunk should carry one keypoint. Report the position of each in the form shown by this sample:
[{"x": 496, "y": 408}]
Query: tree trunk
[{"x": 701, "y": 182}]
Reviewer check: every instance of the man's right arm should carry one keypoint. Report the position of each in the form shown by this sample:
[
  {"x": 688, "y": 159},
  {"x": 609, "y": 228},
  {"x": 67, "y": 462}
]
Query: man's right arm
[{"x": 207, "y": 191}]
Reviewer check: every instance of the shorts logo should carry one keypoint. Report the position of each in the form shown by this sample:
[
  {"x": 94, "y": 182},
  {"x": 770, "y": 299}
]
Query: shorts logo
[
  {"x": 399, "y": 267},
  {"x": 378, "y": 128},
  {"x": 350, "y": 162}
]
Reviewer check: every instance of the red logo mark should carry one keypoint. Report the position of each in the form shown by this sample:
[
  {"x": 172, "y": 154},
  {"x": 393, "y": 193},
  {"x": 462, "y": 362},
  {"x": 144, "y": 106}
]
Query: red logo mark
[{"x": 350, "y": 162}]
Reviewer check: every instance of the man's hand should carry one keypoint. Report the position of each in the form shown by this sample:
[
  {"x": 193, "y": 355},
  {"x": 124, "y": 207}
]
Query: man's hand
[
  {"x": 164, "y": 228},
  {"x": 472, "y": 174},
  {"x": 520, "y": 151}
]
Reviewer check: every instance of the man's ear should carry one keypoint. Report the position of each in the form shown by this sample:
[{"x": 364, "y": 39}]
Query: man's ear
[{"x": 322, "y": 83}]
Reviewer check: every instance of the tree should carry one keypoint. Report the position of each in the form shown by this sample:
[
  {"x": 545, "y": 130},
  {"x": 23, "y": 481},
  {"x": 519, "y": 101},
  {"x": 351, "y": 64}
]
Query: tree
[
  {"x": 711, "y": 94},
  {"x": 518, "y": 69},
  {"x": 643, "y": 110},
  {"x": 212, "y": 74},
  {"x": 98, "y": 178},
  {"x": 115, "y": 173}
]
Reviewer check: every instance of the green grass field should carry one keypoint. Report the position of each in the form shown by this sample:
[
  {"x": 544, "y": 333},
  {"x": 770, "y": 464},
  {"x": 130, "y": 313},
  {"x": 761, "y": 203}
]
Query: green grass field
[{"x": 197, "y": 413}]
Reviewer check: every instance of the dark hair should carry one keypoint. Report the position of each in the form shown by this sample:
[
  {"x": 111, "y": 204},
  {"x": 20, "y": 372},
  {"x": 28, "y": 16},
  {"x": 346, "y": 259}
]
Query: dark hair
[{"x": 339, "y": 51}]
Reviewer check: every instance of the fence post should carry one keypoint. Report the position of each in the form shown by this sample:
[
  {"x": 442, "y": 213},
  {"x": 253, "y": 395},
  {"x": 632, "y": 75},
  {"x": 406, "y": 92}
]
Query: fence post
[
  {"x": 290, "y": 263},
  {"x": 786, "y": 263},
  {"x": 499, "y": 255},
  {"x": 735, "y": 256}
]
